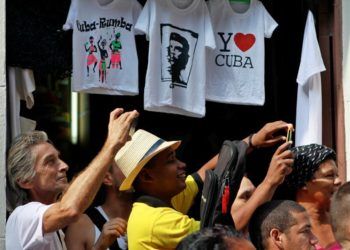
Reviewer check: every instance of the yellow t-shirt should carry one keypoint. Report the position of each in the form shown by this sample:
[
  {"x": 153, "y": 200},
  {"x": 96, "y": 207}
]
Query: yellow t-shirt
[{"x": 161, "y": 227}]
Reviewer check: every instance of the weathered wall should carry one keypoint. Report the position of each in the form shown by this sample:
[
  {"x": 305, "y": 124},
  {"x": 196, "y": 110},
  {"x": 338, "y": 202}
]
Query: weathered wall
[
  {"x": 346, "y": 75},
  {"x": 2, "y": 124}
]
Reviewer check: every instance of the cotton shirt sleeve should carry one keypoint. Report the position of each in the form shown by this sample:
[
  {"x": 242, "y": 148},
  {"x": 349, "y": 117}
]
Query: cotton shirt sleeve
[
  {"x": 143, "y": 22},
  {"x": 72, "y": 13},
  {"x": 24, "y": 228},
  {"x": 209, "y": 32},
  {"x": 269, "y": 23},
  {"x": 136, "y": 14}
]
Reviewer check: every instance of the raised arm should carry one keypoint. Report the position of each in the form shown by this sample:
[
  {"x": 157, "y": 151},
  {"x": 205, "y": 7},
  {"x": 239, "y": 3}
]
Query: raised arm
[
  {"x": 280, "y": 166},
  {"x": 84, "y": 187},
  {"x": 265, "y": 137},
  {"x": 211, "y": 164}
]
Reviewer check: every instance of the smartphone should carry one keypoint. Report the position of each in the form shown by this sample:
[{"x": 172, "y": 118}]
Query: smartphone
[
  {"x": 133, "y": 127},
  {"x": 289, "y": 134}
]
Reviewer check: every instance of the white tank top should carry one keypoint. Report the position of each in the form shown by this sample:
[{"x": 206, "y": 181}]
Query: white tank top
[{"x": 122, "y": 241}]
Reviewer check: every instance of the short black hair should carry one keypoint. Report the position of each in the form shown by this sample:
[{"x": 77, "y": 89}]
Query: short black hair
[
  {"x": 177, "y": 37},
  {"x": 273, "y": 214},
  {"x": 209, "y": 238}
]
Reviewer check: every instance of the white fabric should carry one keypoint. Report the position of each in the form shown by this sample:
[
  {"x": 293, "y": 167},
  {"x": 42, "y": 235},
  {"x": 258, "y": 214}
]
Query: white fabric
[
  {"x": 26, "y": 124},
  {"x": 88, "y": 19},
  {"x": 236, "y": 68},
  {"x": 181, "y": 22},
  {"x": 309, "y": 100},
  {"x": 21, "y": 87},
  {"x": 122, "y": 241},
  {"x": 24, "y": 229}
]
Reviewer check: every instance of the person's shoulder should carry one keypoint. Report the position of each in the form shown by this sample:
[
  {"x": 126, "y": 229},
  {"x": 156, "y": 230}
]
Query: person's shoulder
[
  {"x": 81, "y": 232},
  {"x": 27, "y": 215},
  {"x": 31, "y": 207},
  {"x": 83, "y": 222}
]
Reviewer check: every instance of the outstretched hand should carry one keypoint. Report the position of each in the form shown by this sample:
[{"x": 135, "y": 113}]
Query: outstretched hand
[{"x": 266, "y": 136}]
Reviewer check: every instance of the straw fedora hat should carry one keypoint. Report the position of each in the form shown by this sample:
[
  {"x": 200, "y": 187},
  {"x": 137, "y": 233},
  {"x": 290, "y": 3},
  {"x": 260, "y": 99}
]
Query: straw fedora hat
[{"x": 136, "y": 153}]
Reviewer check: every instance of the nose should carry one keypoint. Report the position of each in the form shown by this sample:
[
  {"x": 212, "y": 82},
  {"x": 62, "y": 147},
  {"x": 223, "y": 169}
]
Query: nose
[
  {"x": 313, "y": 239},
  {"x": 337, "y": 181},
  {"x": 63, "y": 166},
  {"x": 181, "y": 165}
]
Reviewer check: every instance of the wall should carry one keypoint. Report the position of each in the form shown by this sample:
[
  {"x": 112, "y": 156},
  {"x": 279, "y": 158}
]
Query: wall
[
  {"x": 2, "y": 124},
  {"x": 346, "y": 74}
]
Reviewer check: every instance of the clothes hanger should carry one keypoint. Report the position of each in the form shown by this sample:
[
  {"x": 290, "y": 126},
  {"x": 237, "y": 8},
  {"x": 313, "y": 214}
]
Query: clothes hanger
[{"x": 104, "y": 2}]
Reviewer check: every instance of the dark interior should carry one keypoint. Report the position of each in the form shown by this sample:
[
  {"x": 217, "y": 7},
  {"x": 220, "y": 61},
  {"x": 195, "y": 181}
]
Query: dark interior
[{"x": 35, "y": 40}]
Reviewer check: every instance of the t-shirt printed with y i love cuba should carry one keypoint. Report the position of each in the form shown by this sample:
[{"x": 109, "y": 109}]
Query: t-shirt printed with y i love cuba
[{"x": 236, "y": 68}]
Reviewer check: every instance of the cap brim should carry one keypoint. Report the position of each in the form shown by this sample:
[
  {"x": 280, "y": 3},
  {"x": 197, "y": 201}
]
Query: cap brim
[{"x": 127, "y": 183}]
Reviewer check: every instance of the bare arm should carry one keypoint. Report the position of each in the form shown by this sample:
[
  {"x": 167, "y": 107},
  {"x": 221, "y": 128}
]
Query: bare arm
[
  {"x": 263, "y": 138},
  {"x": 211, "y": 164},
  {"x": 80, "y": 235},
  {"x": 278, "y": 169},
  {"x": 83, "y": 189}
]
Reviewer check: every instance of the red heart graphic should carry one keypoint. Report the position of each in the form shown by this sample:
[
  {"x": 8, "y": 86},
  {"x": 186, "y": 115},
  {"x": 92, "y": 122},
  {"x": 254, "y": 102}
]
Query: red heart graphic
[{"x": 244, "y": 42}]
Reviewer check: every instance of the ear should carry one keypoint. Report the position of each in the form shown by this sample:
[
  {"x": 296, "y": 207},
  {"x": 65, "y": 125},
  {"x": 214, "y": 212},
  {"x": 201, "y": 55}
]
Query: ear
[
  {"x": 25, "y": 184},
  {"x": 108, "y": 180},
  {"x": 146, "y": 176},
  {"x": 276, "y": 237}
]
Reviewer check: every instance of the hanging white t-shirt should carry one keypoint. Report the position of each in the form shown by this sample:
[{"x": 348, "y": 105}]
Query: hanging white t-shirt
[
  {"x": 308, "y": 127},
  {"x": 24, "y": 230},
  {"x": 236, "y": 68},
  {"x": 104, "y": 50},
  {"x": 179, "y": 32},
  {"x": 21, "y": 87}
]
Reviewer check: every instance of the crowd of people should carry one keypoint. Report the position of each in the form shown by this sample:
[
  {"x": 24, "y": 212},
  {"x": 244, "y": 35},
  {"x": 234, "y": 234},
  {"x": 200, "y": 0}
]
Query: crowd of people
[{"x": 148, "y": 194}]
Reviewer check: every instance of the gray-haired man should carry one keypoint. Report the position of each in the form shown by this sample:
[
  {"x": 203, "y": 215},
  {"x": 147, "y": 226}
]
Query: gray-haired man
[{"x": 37, "y": 177}]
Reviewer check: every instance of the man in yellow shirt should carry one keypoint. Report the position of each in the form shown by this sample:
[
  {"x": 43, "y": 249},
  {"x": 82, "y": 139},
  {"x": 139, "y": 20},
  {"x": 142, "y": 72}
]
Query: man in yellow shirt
[{"x": 158, "y": 218}]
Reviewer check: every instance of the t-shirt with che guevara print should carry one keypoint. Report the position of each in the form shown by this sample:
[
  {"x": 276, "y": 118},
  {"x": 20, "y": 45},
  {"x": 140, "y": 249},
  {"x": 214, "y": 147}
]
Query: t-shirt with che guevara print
[
  {"x": 179, "y": 32},
  {"x": 104, "y": 50},
  {"x": 236, "y": 68}
]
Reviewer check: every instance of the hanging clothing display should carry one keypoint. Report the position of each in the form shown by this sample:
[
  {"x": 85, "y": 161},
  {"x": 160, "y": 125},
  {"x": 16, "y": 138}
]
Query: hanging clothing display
[
  {"x": 104, "y": 51},
  {"x": 179, "y": 32},
  {"x": 309, "y": 99},
  {"x": 236, "y": 68},
  {"x": 21, "y": 87}
]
